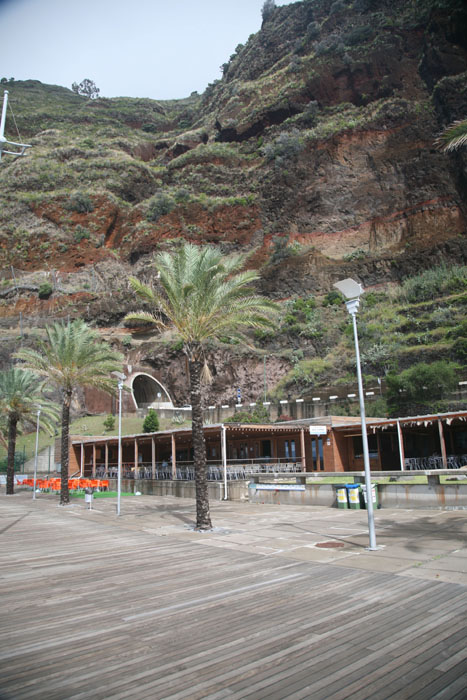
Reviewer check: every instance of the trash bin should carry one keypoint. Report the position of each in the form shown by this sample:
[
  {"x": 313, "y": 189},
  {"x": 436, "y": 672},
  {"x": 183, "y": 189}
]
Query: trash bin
[
  {"x": 88, "y": 497},
  {"x": 374, "y": 495},
  {"x": 341, "y": 493},
  {"x": 353, "y": 495}
]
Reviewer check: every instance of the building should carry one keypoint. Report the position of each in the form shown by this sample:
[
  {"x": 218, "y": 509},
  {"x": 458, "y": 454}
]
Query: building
[{"x": 332, "y": 443}]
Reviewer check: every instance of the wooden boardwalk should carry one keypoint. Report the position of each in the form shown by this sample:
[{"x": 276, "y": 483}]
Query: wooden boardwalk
[{"x": 95, "y": 609}]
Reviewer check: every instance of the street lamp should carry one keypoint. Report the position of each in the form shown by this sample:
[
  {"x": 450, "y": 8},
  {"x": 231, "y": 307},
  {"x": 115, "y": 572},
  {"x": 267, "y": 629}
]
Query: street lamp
[
  {"x": 35, "y": 455},
  {"x": 121, "y": 378},
  {"x": 352, "y": 291}
]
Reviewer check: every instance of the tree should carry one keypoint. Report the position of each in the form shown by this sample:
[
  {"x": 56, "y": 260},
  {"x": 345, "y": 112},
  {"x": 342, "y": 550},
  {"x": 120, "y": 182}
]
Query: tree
[
  {"x": 87, "y": 88},
  {"x": 72, "y": 355},
  {"x": 202, "y": 296},
  {"x": 109, "y": 422},
  {"x": 268, "y": 8},
  {"x": 454, "y": 136},
  {"x": 151, "y": 422},
  {"x": 21, "y": 394}
]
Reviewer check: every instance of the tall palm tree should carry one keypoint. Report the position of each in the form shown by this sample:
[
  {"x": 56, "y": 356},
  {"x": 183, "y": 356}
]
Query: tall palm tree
[
  {"x": 71, "y": 356},
  {"x": 202, "y": 296},
  {"x": 21, "y": 394},
  {"x": 454, "y": 136}
]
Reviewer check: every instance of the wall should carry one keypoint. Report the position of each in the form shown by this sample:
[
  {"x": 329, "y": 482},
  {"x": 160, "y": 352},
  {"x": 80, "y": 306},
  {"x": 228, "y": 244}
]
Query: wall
[
  {"x": 237, "y": 491},
  {"x": 390, "y": 496}
]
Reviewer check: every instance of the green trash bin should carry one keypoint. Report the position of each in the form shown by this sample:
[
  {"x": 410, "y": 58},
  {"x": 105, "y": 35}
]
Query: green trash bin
[
  {"x": 374, "y": 495},
  {"x": 341, "y": 495},
  {"x": 353, "y": 495}
]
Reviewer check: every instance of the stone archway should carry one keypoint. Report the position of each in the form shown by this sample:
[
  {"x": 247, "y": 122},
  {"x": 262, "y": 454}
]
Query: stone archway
[{"x": 149, "y": 393}]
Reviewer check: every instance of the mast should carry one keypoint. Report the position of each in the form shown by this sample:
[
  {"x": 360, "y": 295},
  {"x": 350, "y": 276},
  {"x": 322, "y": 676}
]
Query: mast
[
  {"x": 3, "y": 141},
  {"x": 2, "y": 123}
]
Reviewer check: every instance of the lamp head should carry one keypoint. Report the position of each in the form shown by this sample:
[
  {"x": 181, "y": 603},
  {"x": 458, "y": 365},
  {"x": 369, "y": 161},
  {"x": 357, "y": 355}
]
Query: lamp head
[
  {"x": 119, "y": 375},
  {"x": 349, "y": 288}
]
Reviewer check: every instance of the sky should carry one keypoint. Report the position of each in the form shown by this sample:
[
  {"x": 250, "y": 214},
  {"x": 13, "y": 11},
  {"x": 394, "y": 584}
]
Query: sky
[{"x": 163, "y": 49}]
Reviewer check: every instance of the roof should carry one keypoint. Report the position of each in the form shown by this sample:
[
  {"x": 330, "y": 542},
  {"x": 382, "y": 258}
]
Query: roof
[{"x": 341, "y": 423}]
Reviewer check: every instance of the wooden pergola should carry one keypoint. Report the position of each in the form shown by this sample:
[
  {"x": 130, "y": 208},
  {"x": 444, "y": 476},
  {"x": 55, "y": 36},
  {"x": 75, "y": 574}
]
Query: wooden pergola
[{"x": 227, "y": 444}]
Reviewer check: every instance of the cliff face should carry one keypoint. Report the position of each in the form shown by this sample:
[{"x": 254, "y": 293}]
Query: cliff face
[{"x": 318, "y": 139}]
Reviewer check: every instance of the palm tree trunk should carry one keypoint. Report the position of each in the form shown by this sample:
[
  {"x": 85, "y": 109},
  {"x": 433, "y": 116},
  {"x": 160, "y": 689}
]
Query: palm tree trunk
[
  {"x": 10, "y": 469},
  {"x": 203, "y": 517},
  {"x": 64, "y": 492}
]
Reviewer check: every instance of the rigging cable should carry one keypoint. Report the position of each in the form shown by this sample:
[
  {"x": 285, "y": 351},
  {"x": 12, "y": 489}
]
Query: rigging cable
[{"x": 16, "y": 125}]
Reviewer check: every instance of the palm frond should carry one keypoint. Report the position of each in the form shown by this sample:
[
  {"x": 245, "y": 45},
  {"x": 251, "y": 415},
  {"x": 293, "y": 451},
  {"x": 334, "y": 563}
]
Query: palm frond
[{"x": 453, "y": 137}]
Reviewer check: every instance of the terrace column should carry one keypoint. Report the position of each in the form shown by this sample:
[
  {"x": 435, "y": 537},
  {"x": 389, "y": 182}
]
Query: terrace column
[
  {"x": 442, "y": 443},
  {"x": 302, "y": 449},
  {"x": 318, "y": 456},
  {"x": 153, "y": 457},
  {"x": 82, "y": 460},
  {"x": 136, "y": 459},
  {"x": 94, "y": 460},
  {"x": 106, "y": 458},
  {"x": 174, "y": 458},
  {"x": 401, "y": 445},
  {"x": 224, "y": 458}
]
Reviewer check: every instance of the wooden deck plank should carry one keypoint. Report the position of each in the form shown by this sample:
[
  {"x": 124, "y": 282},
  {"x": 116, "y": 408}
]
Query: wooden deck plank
[{"x": 123, "y": 613}]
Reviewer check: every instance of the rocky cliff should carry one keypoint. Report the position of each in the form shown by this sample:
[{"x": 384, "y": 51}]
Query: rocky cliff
[{"x": 314, "y": 153}]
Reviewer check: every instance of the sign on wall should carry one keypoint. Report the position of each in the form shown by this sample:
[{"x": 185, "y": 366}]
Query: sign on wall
[{"x": 318, "y": 429}]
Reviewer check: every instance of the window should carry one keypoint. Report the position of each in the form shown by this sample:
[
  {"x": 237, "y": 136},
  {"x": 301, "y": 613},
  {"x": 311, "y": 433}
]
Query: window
[
  {"x": 358, "y": 446},
  {"x": 289, "y": 448}
]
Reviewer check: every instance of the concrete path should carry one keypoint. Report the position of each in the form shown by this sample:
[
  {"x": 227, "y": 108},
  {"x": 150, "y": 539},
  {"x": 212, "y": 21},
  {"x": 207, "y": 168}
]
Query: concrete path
[{"x": 276, "y": 602}]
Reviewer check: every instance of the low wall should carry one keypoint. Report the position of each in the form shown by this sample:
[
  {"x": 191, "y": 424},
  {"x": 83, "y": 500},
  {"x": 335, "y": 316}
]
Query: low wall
[
  {"x": 435, "y": 495},
  {"x": 423, "y": 496},
  {"x": 305, "y": 495},
  {"x": 236, "y": 490}
]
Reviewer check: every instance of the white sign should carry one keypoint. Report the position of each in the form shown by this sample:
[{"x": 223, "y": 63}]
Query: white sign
[
  {"x": 318, "y": 429},
  {"x": 277, "y": 487}
]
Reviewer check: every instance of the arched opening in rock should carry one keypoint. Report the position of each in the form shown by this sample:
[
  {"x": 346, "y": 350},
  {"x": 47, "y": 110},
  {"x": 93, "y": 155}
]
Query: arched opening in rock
[{"x": 149, "y": 393}]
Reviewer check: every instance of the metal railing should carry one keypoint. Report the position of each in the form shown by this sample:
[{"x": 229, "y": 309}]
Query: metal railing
[
  {"x": 236, "y": 469},
  {"x": 434, "y": 462}
]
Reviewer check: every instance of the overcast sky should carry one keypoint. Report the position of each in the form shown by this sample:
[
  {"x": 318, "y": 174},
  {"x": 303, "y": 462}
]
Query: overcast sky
[{"x": 162, "y": 49}]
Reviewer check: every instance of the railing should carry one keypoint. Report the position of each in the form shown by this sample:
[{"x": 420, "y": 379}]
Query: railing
[
  {"x": 435, "y": 462},
  {"x": 236, "y": 469}
]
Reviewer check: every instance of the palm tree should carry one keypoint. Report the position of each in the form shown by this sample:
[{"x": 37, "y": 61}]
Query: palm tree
[
  {"x": 20, "y": 396},
  {"x": 71, "y": 356},
  {"x": 202, "y": 296},
  {"x": 454, "y": 136}
]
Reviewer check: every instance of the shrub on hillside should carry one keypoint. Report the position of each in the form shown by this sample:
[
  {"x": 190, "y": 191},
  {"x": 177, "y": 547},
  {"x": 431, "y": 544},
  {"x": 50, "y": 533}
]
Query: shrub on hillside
[
  {"x": 109, "y": 423},
  {"x": 258, "y": 415},
  {"x": 286, "y": 147},
  {"x": 160, "y": 205},
  {"x": 80, "y": 202},
  {"x": 434, "y": 282},
  {"x": 421, "y": 384},
  {"x": 151, "y": 422},
  {"x": 45, "y": 290}
]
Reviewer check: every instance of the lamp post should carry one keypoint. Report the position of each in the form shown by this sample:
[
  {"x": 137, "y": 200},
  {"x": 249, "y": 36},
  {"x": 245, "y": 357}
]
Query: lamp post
[
  {"x": 35, "y": 455},
  {"x": 352, "y": 291},
  {"x": 121, "y": 378}
]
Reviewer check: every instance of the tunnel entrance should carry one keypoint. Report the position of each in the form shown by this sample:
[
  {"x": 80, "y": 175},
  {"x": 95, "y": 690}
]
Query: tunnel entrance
[{"x": 149, "y": 393}]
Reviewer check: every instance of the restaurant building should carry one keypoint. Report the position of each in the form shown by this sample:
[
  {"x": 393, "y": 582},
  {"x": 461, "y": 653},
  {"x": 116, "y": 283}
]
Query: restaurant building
[{"x": 331, "y": 443}]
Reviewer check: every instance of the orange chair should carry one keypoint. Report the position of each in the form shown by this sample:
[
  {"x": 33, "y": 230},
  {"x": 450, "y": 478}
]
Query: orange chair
[{"x": 105, "y": 484}]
